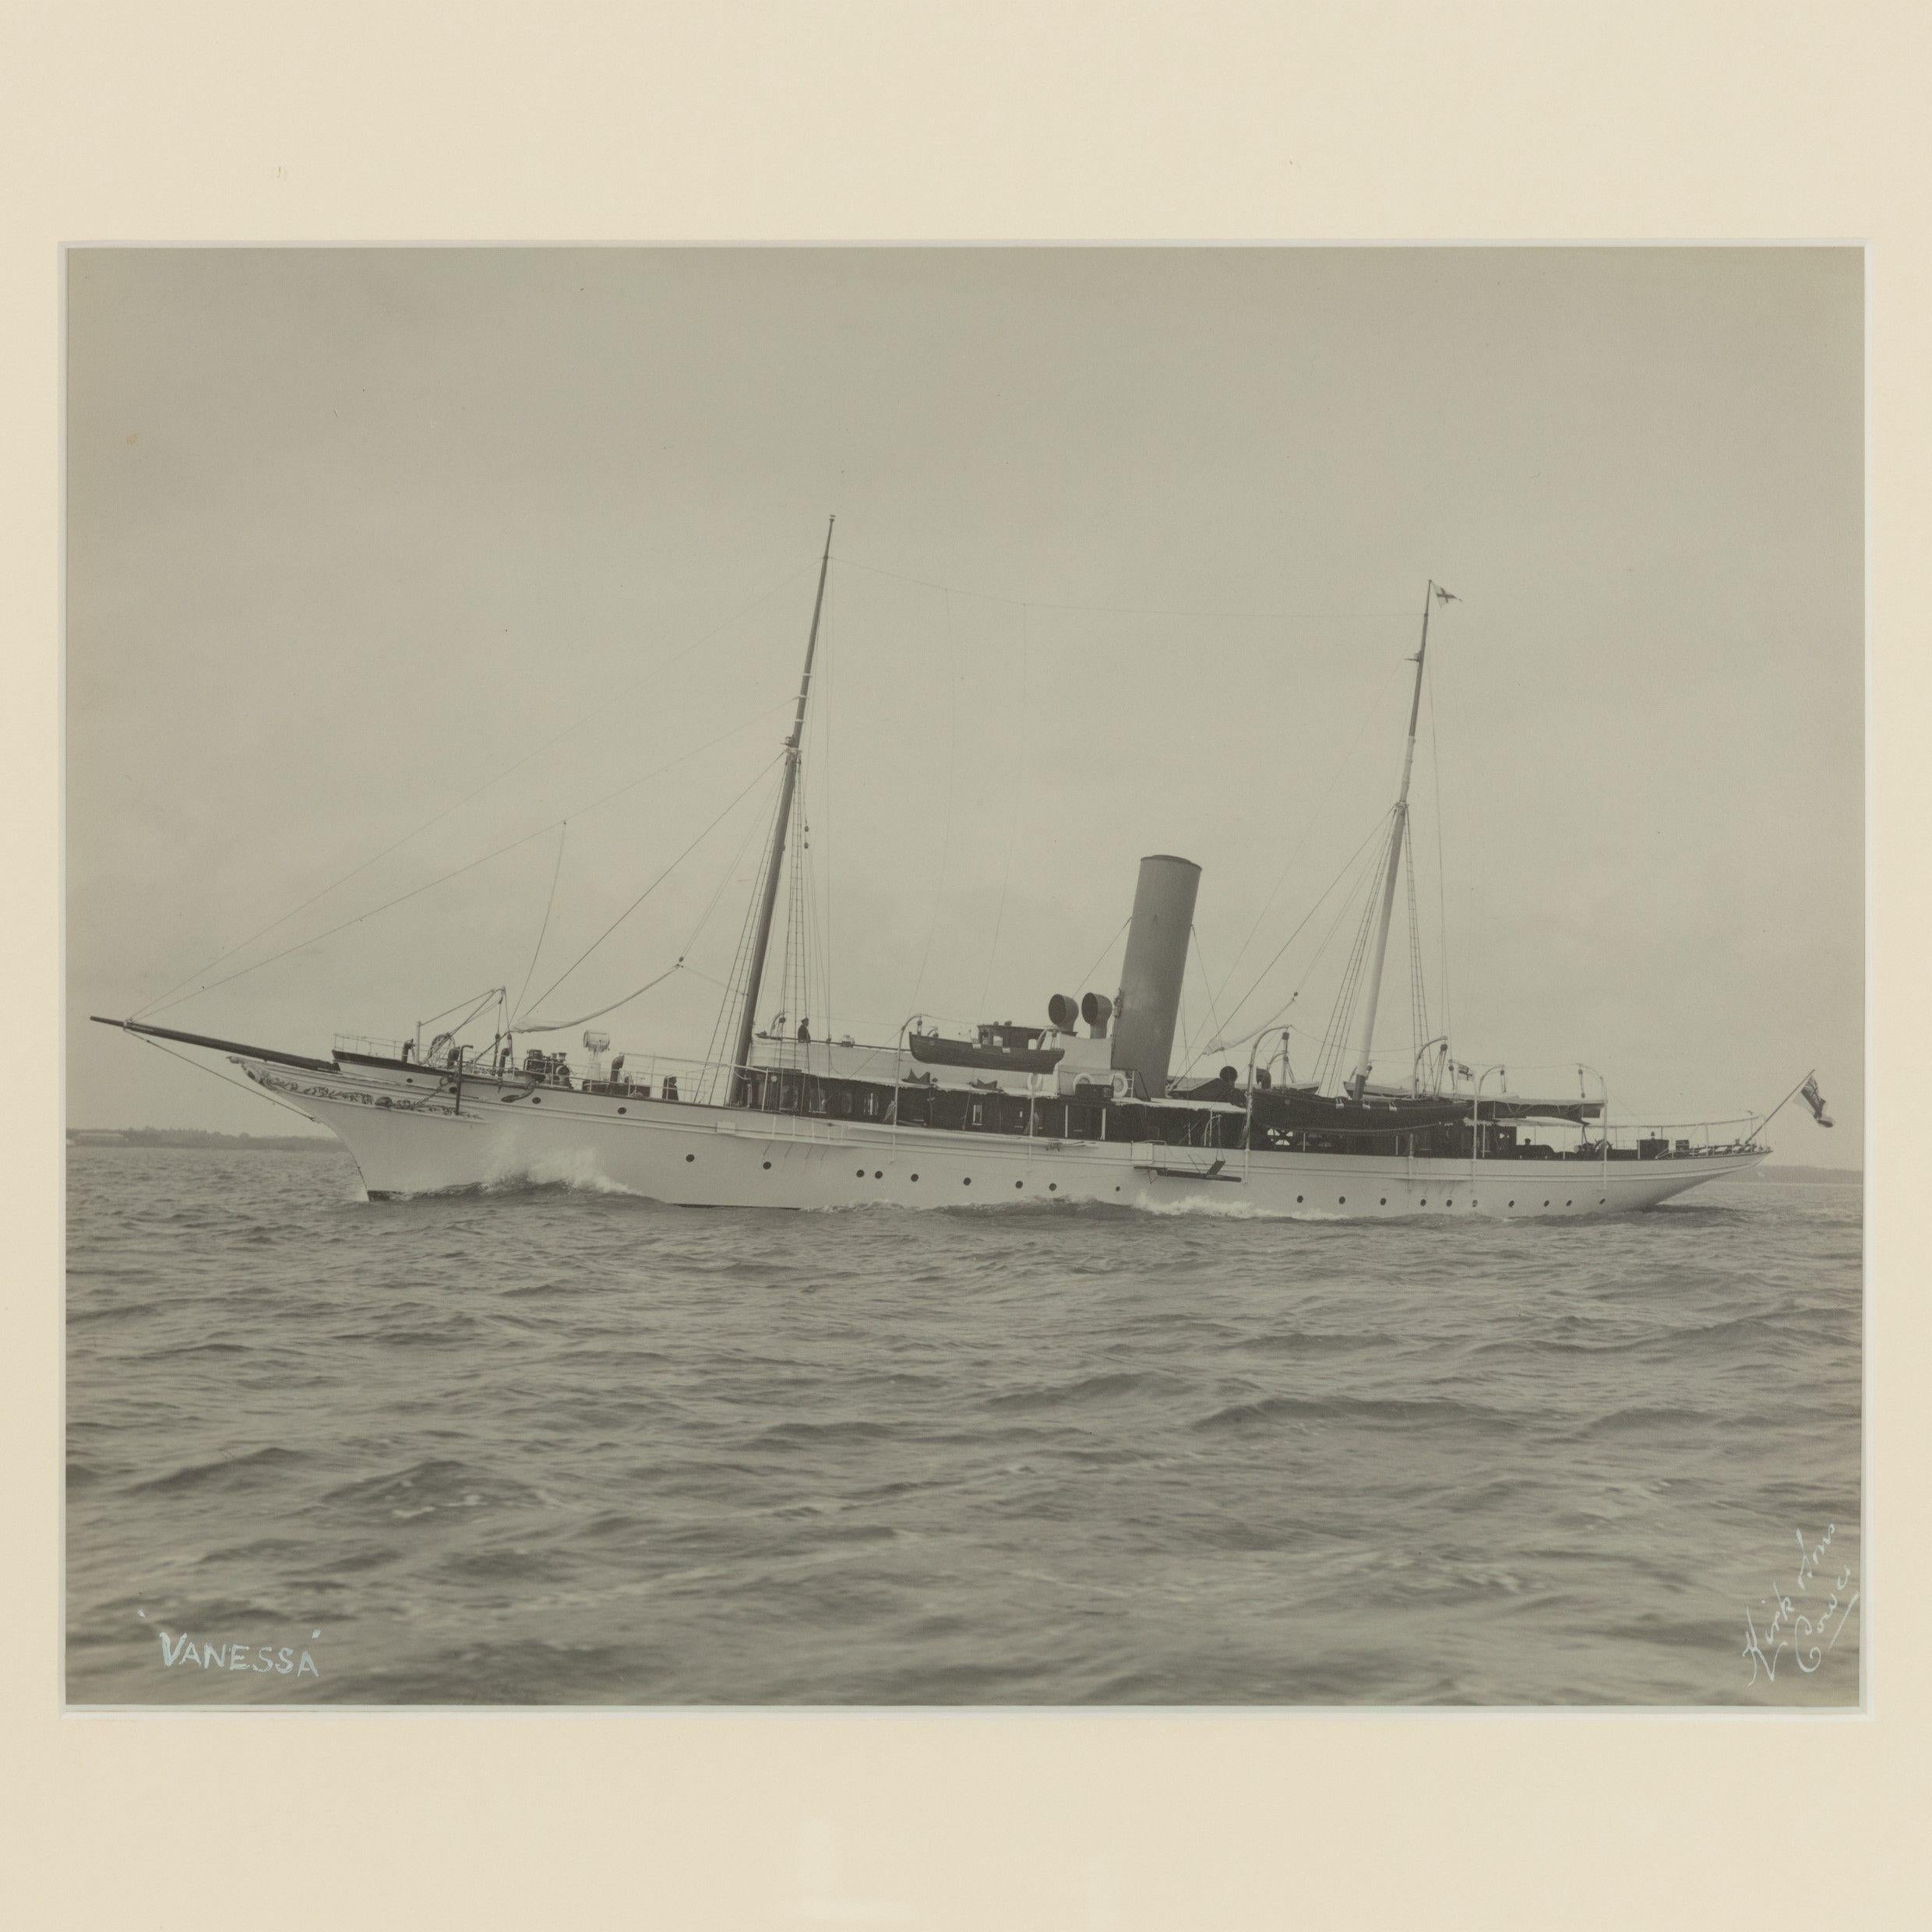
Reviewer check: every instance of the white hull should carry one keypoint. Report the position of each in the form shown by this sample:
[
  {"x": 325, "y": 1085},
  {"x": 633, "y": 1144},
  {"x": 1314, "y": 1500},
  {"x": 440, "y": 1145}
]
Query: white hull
[{"x": 408, "y": 1137}]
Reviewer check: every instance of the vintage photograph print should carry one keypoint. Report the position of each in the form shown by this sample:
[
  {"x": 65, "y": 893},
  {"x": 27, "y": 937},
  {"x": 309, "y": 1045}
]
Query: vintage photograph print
[{"x": 883, "y": 976}]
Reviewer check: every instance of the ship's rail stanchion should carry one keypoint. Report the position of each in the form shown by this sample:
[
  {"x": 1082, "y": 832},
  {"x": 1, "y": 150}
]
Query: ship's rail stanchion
[
  {"x": 1247, "y": 1124},
  {"x": 1475, "y": 1117},
  {"x": 1584, "y": 1146},
  {"x": 898, "y": 1070}
]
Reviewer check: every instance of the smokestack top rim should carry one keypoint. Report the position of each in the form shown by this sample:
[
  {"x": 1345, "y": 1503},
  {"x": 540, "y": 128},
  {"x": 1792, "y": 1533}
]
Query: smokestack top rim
[{"x": 1170, "y": 859}]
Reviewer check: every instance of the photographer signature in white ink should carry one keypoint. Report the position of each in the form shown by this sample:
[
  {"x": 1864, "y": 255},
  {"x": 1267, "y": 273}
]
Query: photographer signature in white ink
[{"x": 1802, "y": 1630}]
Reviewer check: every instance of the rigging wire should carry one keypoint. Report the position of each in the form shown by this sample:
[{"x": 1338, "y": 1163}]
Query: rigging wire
[
  {"x": 1012, "y": 834},
  {"x": 564, "y": 1026},
  {"x": 1087, "y": 976},
  {"x": 563, "y": 832},
  {"x": 201, "y": 1066},
  {"x": 489, "y": 995},
  {"x": 474, "y": 1001},
  {"x": 1417, "y": 988},
  {"x": 1327, "y": 797},
  {"x": 1335, "y": 1038},
  {"x": 819, "y": 926},
  {"x": 415, "y": 892},
  {"x": 737, "y": 983},
  {"x": 1347, "y": 901},
  {"x": 1112, "y": 610},
  {"x": 1347, "y": 870},
  {"x": 457, "y": 872},
  {"x": 1206, "y": 985},
  {"x": 799, "y": 935},
  {"x": 829, "y": 768},
  {"x": 655, "y": 884},
  {"x": 680, "y": 965},
  {"x": 791, "y": 988},
  {"x": 494, "y": 777},
  {"x": 1442, "y": 913},
  {"x": 946, "y": 843},
  {"x": 725, "y": 877}
]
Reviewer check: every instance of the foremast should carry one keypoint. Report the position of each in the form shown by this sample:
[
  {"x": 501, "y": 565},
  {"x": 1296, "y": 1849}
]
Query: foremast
[
  {"x": 761, "y": 940},
  {"x": 1358, "y": 1079}
]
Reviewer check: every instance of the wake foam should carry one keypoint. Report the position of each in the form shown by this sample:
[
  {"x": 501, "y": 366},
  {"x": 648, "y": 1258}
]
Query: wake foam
[
  {"x": 1216, "y": 1207},
  {"x": 575, "y": 1169}
]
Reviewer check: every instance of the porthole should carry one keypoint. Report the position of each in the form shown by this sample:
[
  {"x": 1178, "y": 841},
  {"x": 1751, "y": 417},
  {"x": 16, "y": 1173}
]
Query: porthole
[
  {"x": 1448, "y": 1204},
  {"x": 1425, "y": 1203},
  {"x": 968, "y": 1182},
  {"x": 879, "y": 1173},
  {"x": 1512, "y": 1203},
  {"x": 916, "y": 1177},
  {"x": 1019, "y": 1183},
  {"x": 1297, "y": 1198},
  {"x": 768, "y": 1165},
  {"x": 861, "y": 1174},
  {"x": 1565, "y": 1204},
  {"x": 1384, "y": 1201},
  {"x": 623, "y": 1110},
  {"x": 1600, "y": 1199},
  {"x": 1053, "y": 1187},
  {"x": 536, "y": 1100},
  {"x": 1341, "y": 1200},
  {"x": 1546, "y": 1203},
  {"x": 690, "y": 1157}
]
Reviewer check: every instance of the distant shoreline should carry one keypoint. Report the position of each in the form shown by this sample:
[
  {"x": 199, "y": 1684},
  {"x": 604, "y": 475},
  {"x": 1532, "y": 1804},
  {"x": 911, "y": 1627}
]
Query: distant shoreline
[
  {"x": 192, "y": 1137},
  {"x": 320, "y": 1143}
]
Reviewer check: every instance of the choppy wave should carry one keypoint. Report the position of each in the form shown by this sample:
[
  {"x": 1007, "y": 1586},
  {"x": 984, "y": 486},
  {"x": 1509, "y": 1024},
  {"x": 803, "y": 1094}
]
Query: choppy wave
[
  {"x": 572, "y": 1170},
  {"x": 551, "y": 1442}
]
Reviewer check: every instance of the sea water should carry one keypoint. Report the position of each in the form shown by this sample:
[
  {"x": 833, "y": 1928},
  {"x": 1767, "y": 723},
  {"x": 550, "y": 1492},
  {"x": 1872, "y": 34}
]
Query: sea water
[{"x": 562, "y": 1445}]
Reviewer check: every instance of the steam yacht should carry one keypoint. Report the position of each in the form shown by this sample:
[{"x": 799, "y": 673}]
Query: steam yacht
[{"x": 1085, "y": 1106}]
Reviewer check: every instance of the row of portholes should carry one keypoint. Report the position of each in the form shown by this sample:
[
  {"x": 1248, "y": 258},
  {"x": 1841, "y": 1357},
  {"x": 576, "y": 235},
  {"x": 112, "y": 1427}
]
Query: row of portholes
[
  {"x": 1053, "y": 1187},
  {"x": 879, "y": 1174},
  {"x": 1341, "y": 1200}
]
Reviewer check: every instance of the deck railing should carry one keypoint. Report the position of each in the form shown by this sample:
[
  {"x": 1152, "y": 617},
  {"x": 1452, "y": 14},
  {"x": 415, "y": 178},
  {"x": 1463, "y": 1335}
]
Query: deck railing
[
  {"x": 375, "y": 1048},
  {"x": 804, "y": 1099}
]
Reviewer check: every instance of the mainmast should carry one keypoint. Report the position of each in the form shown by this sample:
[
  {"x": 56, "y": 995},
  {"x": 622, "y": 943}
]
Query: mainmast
[
  {"x": 755, "y": 971},
  {"x": 1358, "y": 1079}
]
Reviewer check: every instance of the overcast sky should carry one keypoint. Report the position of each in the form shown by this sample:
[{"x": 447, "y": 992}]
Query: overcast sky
[{"x": 355, "y": 534}]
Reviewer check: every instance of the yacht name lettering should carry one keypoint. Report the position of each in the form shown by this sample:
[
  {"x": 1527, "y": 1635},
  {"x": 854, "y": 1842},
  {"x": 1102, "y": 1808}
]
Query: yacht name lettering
[
  {"x": 212, "y": 1656},
  {"x": 284, "y": 1660}
]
